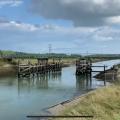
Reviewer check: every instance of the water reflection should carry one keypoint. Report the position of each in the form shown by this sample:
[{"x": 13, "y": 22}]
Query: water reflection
[
  {"x": 7, "y": 81},
  {"x": 55, "y": 75},
  {"x": 40, "y": 81},
  {"x": 23, "y": 85},
  {"x": 83, "y": 82}
]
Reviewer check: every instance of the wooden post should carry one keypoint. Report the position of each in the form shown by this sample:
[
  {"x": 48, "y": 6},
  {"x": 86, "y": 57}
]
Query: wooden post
[
  {"x": 29, "y": 67},
  {"x": 60, "y": 63},
  {"x": 59, "y": 60},
  {"x": 113, "y": 77},
  {"x": 53, "y": 60},
  {"x": 37, "y": 69},
  {"x": 104, "y": 76},
  {"x": 18, "y": 68}
]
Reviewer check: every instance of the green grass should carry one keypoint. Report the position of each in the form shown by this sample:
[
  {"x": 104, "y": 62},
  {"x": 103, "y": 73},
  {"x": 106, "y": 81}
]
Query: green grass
[
  {"x": 103, "y": 104},
  {"x": 8, "y": 52}
]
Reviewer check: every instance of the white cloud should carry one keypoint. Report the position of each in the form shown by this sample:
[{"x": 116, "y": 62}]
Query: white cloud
[
  {"x": 17, "y": 25},
  {"x": 102, "y": 38},
  {"x": 98, "y": 33},
  {"x": 34, "y": 38},
  {"x": 23, "y": 26},
  {"x": 113, "y": 20},
  {"x": 11, "y": 3},
  {"x": 30, "y": 27},
  {"x": 99, "y": 2}
]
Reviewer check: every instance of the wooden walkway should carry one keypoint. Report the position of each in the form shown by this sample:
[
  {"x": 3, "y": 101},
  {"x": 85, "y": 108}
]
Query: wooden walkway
[
  {"x": 29, "y": 69},
  {"x": 85, "y": 67},
  {"x": 41, "y": 67}
]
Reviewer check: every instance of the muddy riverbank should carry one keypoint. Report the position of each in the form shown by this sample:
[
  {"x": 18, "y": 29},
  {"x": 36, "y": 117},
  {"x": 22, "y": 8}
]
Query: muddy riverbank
[
  {"x": 110, "y": 75},
  {"x": 8, "y": 70}
]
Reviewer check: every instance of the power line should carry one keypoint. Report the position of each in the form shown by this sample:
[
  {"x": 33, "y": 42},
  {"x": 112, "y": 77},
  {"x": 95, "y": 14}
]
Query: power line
[{"x": 50, "y": 48}]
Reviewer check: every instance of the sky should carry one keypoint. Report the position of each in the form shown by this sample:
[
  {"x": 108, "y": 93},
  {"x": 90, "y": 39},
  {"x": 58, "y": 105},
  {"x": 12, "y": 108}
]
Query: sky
[{"x": 69, "y": 26}]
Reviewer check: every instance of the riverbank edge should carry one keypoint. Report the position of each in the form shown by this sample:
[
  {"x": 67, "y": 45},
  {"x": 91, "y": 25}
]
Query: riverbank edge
[
  {"x": 8, "y": 70},
  {"x": 102, "y": 104},
  {"x": 60, "y": 107}
]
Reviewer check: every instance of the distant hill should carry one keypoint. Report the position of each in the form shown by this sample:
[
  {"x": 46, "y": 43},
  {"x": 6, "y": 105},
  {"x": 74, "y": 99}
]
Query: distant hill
[
  {"x": 6, "y": 52},
  {"x": 111, "y": 56},
  {"x": 54, "y": 55},
  {"x": 34, "y": 55}
]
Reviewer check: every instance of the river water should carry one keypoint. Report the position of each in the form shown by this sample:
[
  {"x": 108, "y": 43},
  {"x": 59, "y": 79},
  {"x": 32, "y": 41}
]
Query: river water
[{"x": 22, "y": 97}]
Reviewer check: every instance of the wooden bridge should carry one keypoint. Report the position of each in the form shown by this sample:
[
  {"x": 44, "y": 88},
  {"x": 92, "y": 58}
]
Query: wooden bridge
[
  {"x": 85, "y": 67},
  {"x": 41, "y": 67}
]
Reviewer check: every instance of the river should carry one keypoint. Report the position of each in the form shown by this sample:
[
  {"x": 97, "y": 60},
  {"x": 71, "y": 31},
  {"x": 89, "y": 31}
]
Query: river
[{"x": 22, "y": 97}]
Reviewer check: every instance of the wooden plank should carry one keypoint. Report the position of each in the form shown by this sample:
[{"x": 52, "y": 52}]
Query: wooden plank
[
  {"x": 25, "y": 70},
  {"x": 99, "y": 66},
  {"x": 97, "y": 71}
]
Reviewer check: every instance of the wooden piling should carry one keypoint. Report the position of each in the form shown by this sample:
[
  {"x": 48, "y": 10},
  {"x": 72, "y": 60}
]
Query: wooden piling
[
  {"x": 104, "y": 76},
  {"x": 41, "y": 67}
]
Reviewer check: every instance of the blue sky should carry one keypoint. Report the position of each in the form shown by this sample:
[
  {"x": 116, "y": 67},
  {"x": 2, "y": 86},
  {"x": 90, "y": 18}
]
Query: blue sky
[{"x": 70, "y": 26}]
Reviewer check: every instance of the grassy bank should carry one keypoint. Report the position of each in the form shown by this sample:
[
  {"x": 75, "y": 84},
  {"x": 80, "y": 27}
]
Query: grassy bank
[
  {"x": 103, "y": 104},
  {"x": 7, "y": 68}
]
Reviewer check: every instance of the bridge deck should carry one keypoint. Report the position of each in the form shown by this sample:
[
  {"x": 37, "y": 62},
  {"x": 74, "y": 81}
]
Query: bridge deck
[{"x": 28, "y": 69}]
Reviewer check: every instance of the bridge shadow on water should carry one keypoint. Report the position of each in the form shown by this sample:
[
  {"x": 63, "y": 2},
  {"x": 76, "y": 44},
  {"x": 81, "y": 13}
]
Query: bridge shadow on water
[
  {"x": 40, "y": 81},
  {"x": 83, "y": 82},
  {"x": 43, "y": 81}
]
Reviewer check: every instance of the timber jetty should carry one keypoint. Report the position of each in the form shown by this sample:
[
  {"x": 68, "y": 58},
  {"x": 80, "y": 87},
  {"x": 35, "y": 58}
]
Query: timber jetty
[
  {"x": 41, "y": 67},
  {"x": 84, "y": 67}
]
